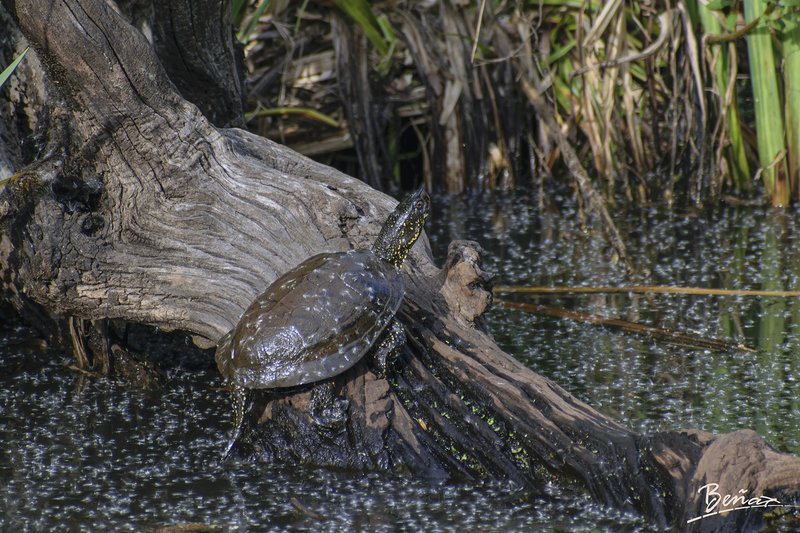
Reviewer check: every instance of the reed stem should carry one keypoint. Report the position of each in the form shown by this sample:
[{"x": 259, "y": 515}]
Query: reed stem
[{"x": 769, "y": 120}]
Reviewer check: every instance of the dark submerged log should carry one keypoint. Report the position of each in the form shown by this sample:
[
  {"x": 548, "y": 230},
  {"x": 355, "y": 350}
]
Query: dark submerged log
[{"x": 138, "y": 208}]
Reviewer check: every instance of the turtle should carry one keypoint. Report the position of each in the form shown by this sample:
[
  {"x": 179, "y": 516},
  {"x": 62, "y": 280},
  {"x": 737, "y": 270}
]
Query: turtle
[{"x": 323, "y": 316}]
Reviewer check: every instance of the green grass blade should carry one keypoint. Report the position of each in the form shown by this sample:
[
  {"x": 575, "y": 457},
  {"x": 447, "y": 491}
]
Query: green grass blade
[
  {"x": 244, "y": 35},
  {"x": 386, "y": 29},
  {"x": 769, "y": 120},
  {"x": 236, "y": 6},
  {"x": 10, "y": 68},
  {"x": 740, "y": 170},
  {"x": 361, "y": 13},
  {"x": 790, "y": 40}
]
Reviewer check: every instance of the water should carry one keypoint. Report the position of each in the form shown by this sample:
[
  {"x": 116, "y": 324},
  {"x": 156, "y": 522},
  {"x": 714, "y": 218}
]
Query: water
[
  {"x": 82, "y": 454},
  {"x": 646, "y": 384}
]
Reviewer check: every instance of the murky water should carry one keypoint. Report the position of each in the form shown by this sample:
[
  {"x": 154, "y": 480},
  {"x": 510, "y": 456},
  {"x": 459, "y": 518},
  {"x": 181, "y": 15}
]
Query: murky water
[
  {"x": 650, "y": 385},
  {"x": 82, "y": 454}
]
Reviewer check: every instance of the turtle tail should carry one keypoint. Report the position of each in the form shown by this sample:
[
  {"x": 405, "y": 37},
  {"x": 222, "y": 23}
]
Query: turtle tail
[{"x": 239, "y": 401}]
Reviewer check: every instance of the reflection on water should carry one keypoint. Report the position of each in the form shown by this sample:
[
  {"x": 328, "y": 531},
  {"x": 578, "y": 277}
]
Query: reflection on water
[{"x": 107, "y": 457}]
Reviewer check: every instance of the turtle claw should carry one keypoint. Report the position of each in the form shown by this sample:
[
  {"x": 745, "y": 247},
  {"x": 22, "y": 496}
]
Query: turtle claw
[
  {"x": 326, "y": 409},
  {"x": 231, "y": 442},
  {"x": 239, "y": 404}
]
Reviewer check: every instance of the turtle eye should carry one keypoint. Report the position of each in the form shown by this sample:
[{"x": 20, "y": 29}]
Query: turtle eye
[{"x": 419, "y": 204}]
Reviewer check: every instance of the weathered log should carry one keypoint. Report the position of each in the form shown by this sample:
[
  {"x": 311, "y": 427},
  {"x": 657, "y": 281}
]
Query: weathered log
[{"x": 140, "y": 209}]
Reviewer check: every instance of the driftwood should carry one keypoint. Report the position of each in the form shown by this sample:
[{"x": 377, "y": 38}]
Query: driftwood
[{"x": 136, "y": 207}]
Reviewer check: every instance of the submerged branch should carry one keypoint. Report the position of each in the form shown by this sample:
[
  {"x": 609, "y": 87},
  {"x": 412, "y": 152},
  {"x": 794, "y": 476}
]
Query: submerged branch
[
  {"x": 684, "y": 340},
  {"x": 655, "y": 289}
]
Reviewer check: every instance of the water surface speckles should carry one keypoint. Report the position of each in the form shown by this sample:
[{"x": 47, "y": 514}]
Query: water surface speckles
[{"x": 647, "y": 384}]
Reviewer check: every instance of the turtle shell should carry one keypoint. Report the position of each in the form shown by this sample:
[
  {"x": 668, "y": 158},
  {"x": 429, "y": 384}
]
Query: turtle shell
[{"x": 314, "y": 322}]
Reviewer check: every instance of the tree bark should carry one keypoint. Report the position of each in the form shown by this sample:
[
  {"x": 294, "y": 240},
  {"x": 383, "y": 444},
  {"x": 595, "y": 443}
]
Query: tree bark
[{"x": 136, "y": 207}]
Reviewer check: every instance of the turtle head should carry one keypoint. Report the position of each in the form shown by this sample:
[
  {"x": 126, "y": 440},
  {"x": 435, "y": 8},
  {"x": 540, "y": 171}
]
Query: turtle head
[{"x": 402, "y": 228}]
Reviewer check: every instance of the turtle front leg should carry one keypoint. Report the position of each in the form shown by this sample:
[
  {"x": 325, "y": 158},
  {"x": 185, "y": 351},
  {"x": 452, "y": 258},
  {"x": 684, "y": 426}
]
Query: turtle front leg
[
  {"x": 393, "y": 338},
  {"x": 239, "y": 402}
]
